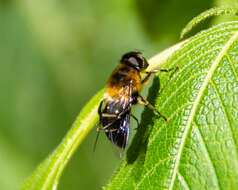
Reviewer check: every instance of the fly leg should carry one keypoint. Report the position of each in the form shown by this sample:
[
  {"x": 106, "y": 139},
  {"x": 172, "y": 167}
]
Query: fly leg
[
  {"x": 105, "y": 127},
  {"x": 143, "y": 101},
  {"x": 108, "y": 115},
  {"x": 103, "y": 115},
  {"x": 167, "y": 70},
  {"x": 134, "y": 117},
  {"x": 115, "y": 116},
  {"x": 147, "y": 77},
  {"x": 99, "y": 122}
]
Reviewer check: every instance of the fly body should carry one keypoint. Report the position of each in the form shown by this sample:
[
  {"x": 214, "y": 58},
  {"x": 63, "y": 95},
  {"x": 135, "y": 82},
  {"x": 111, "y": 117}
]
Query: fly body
[{"x": 122, "y": 91}]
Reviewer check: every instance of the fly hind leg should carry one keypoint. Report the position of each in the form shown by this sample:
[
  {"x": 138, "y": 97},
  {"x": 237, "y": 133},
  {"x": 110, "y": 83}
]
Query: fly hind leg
[
  {"x": 143, "y": 101},
  {"x": 105, "y": 127},
  {"x": 110, "y": 115}
]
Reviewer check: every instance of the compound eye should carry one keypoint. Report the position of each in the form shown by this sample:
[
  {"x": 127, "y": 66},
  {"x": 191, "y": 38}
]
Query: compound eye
[{"x": 133, "y": 61}]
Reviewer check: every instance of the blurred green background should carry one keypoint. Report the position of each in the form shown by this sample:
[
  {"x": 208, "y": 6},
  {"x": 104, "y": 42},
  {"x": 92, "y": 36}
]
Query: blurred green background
[{"x": 54, "y": 56}]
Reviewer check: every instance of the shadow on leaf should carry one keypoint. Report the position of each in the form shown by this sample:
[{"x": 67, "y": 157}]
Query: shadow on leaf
[{"x": 139, "y": 143}]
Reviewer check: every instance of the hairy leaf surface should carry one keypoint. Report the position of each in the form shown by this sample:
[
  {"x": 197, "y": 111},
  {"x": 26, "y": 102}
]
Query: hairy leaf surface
[{"x": 198, "y": 147}]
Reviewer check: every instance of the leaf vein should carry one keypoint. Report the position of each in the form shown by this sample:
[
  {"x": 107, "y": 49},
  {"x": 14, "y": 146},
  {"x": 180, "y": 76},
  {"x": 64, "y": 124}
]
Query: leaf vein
[
  {"x": 196, "y": 102},
  {"x": 232, "y": 67},
  {"x": 227, "y": 116},
  {"x": 183, "y": 181},
  {"x": 178, "y": 88},
  {"x": 208, "y": 154},
  {"x": 197, "y": 46}
]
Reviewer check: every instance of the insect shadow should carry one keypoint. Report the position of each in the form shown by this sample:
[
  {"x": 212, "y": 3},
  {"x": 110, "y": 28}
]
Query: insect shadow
[{"x": 140, "y": 140}]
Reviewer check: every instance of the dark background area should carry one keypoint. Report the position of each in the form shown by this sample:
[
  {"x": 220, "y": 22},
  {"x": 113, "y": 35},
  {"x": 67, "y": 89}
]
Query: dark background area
[{"x": 54, "y": 56}]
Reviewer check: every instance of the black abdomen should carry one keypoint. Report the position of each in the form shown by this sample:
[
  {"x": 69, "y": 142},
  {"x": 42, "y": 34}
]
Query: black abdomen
[{"x": 117, "y": 125}]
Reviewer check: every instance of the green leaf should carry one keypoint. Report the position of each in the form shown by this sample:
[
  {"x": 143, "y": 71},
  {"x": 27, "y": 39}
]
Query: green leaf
[
  {"x": 198, "y": 147},
  {"x": 211, "y": 12},
  {"x": 48, "y": 173}
]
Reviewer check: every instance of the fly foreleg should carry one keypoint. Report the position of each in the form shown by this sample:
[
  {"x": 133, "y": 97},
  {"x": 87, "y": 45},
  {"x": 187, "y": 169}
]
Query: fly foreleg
[{"x": 147, "y": 77}]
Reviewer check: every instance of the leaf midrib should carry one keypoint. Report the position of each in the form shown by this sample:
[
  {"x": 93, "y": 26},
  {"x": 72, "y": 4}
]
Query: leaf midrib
[{"x": 196, "y": 103}]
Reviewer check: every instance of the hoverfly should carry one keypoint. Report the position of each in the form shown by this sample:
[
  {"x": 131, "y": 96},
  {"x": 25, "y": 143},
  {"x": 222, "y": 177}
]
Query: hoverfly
[{"x": 121, "y": 93}]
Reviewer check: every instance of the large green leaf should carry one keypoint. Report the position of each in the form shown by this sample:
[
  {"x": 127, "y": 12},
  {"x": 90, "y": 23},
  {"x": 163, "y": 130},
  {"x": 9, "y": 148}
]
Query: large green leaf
[{"x": 198, "y": 147}]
